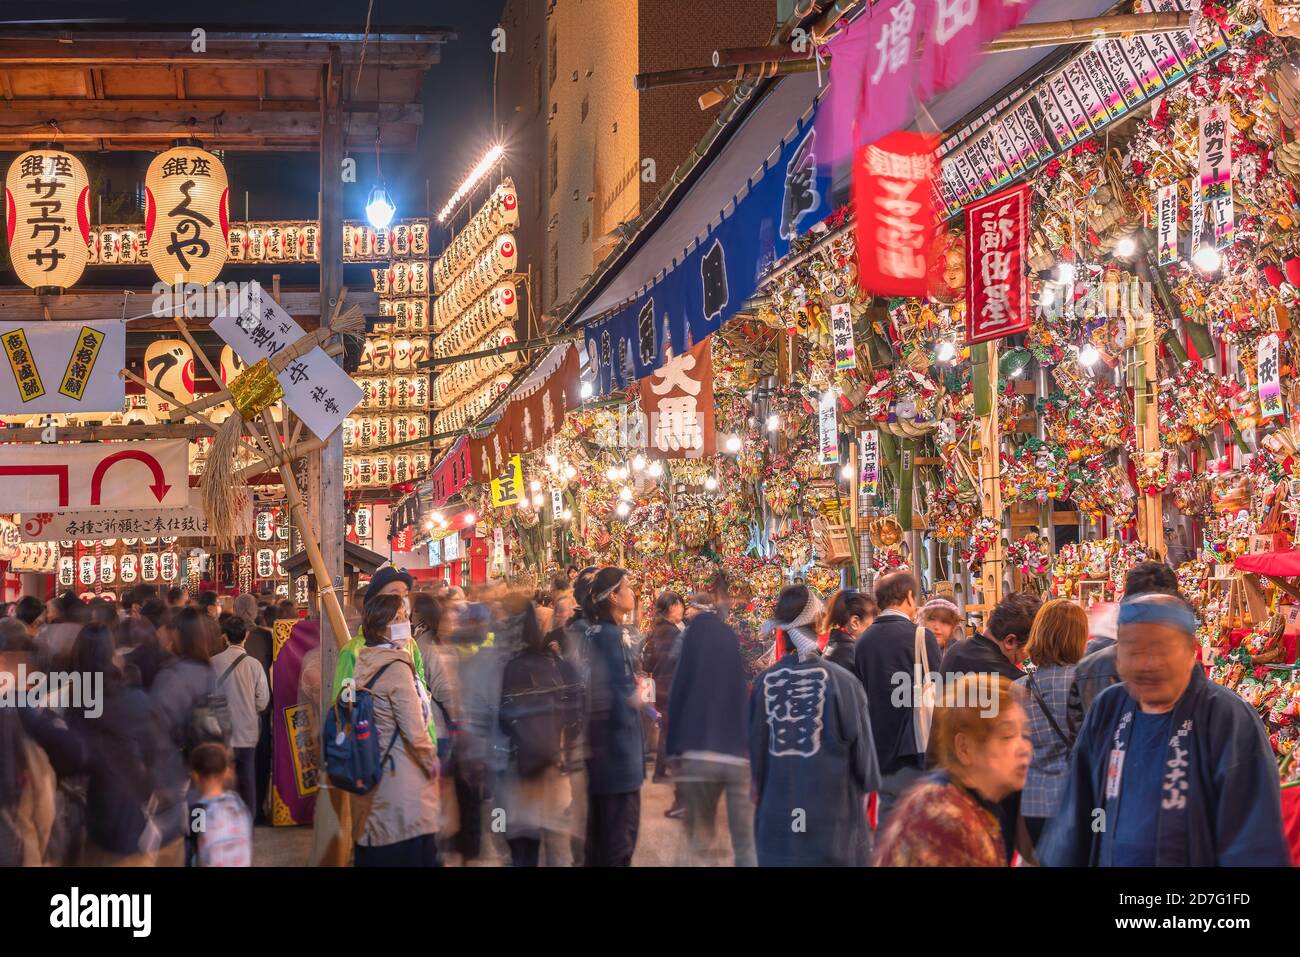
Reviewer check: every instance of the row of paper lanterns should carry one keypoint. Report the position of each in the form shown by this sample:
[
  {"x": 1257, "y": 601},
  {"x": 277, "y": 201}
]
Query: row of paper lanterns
[
  {"x": 269, "y": 241},
  {"x": 383, "y": 469},
  {"x": 386, "y": 354},
  {"x": 495, "y": 309},
  {"x": 403, "y": 315},
  {"x": 402, "y": 277},
  {"x": 498, "y": 215},
  {"x": 399, "y": 392},
  {"x": 366, "y": 432}
]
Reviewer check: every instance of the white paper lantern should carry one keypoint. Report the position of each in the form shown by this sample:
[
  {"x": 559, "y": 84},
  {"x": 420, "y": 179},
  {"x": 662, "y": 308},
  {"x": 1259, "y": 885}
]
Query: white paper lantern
[
  {"x": 47, "y": 200},
  {"x": 169, "y": 367},
  {"x": 187, "y": 215},
  {"x": 129, "y": 569}
]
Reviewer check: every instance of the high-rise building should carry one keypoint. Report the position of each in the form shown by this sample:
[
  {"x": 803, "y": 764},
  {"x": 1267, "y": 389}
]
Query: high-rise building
[{"x": 589, "y": 151}]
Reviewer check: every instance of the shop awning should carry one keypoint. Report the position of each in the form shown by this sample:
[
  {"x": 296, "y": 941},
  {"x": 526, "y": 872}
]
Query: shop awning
[
  {"x": 761, "y": 133},
  {"x": 1276, "y": 564}
]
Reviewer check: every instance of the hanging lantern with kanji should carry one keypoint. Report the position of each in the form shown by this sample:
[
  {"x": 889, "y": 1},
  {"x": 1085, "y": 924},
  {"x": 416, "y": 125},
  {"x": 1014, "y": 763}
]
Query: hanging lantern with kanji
[
  {"x": 187, "y": 215},
  {"x": 169, "y": 368},
  {"x": 47, "y": 206}
]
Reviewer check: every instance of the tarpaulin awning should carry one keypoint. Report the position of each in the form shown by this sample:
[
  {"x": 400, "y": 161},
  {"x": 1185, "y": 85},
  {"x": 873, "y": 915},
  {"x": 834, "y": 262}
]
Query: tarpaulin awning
[{"x": 1277, "y": 564}]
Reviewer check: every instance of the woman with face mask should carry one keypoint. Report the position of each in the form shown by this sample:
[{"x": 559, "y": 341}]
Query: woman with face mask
[
  {"x": 615, "y": 755},
  {"x": 396, "y": 824}
]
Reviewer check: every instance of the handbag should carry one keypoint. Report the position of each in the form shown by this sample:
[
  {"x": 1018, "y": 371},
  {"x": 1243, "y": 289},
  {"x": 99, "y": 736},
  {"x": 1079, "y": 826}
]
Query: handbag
[{"x": 924, "y": 692}]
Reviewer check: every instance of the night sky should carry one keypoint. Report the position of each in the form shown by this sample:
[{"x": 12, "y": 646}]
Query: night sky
[{"x": 457, "y": 101}]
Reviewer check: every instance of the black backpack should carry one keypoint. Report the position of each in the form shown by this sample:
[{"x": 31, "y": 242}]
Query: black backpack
[{"x": 541, "y": 711}]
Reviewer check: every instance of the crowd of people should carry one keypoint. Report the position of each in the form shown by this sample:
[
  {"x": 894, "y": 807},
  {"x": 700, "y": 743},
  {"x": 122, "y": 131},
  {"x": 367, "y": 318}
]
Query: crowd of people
[
  {"x": 155, "y": 749},
  {"x": 528, "y": 721}
]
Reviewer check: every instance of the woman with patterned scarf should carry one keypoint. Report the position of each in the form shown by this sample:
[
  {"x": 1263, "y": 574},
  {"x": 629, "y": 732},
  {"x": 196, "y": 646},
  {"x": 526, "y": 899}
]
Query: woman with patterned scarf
[{"x": 811, "y": 752}]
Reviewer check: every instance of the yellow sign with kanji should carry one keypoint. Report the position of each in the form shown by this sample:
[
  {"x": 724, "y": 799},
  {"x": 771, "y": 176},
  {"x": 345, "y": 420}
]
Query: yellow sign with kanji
[{"x": 508, "y": 488}]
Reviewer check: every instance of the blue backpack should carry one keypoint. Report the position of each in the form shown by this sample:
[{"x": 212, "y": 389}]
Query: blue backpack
[{"x": 352, "y": 758}]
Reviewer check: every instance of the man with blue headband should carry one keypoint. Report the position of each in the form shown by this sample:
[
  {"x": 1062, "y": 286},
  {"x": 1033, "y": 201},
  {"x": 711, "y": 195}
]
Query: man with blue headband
[{"x": 1170, "y": 769}]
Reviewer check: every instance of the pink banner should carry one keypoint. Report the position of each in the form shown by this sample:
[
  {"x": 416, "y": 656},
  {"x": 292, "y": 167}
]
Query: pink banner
[{"x": 295, "y": 739}]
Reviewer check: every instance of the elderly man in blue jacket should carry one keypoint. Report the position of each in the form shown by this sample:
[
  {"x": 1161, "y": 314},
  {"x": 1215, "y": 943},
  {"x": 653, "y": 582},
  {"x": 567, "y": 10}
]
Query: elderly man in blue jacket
[{"x": 1170, "y": 769}]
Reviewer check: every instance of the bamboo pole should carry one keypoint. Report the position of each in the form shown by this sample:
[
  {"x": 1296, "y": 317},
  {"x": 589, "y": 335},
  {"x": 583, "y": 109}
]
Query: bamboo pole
[
  {"x": 325, "y": 590},
  {"x": 991, "y": 487}
]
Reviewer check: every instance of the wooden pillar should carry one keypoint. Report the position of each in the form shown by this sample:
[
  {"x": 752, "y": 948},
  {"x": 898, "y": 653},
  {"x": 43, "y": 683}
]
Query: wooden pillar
[{"x": 332, "y": 840}]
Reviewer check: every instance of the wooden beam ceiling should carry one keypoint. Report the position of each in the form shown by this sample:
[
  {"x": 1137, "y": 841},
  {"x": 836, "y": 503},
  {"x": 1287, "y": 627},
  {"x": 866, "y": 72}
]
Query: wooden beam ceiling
[{"x": 123, "y": 87}]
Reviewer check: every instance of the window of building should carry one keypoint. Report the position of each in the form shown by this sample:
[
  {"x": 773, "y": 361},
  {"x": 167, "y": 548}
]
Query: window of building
[
  {"x": 552, "y": 59},
  {"x": 541, "y": 90},
  {"x": 554, "y": 164},
  {"x": 555, "y": 273},
  {"x": 586, "y": 229},
  {"x": 586, "y": 105}
]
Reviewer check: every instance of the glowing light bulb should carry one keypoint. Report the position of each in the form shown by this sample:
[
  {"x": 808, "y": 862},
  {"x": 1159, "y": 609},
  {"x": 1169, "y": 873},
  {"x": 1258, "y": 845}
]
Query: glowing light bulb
[
  {"x": 623, "y": 510},
  {"x": 437, "y": 517},
  {"x": 552, "y": 463},
  {"x": 710, "y": 484},
  {"x": 625, "y": 494},
  {"x": 570, "y": 472},
  {"x": 655, "y": 469},
  {"x": 1206, "y": 258},
  {"x": 945, "y": 352},
  {"x": 429, "y": 525},
  {"x": 734, "y": 444},
  {"x": 638, "y": 463},
  {"x": 535, "y": 485},
  {"x": 538, "y": 500},
  {"x": 1088, "y": 355},
  {"x": 567, "y": 515},
  {"x": 1125, "y": 247},
  {"x": 470, "y": 518},
  {"x": 586, "y": 391},
  {"x": 379, "y": 208},
  {"x": 612, "y": 474},
  {"x": 846, "y": 472},
  {"x": 773, "y": 422},
  {"x": 1065, "y": 273}
]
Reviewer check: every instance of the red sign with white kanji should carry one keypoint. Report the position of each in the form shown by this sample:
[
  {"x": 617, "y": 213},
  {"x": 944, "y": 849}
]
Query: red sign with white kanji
[
  {"x": 997, "y": 288},
  {"x": 896, "y": 222}
]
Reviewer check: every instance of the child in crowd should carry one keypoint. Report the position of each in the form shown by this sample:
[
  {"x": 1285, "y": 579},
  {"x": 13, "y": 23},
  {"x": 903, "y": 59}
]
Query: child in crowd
[{"x": 221, "y": 828}]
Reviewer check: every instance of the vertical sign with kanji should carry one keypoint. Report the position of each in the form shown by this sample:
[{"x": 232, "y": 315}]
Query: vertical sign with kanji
[
  {"x": 1216, "y": 170},
  {"x": 997, "y": 294},
  {"x": 1270, "y": 384},
  {"x": 869, "y": 459},
  {"x": 828, "y": 427},
  {"x": 892, "y": 184},
  {"x": 1167, "y": 223},
  {"x": 507, "y": 488},
  {"x": 677, "y": 400},
  {"x": 846, "y": 357}
]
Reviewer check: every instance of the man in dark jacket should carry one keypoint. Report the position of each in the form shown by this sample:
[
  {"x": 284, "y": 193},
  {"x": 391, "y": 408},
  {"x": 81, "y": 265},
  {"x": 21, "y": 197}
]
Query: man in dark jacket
[
  {"x": 709, "y": 733},
  {"x": 1097, "y": 670},
  {"x": 885, "y": 659},
  {"x": 1001, "y": 648}
]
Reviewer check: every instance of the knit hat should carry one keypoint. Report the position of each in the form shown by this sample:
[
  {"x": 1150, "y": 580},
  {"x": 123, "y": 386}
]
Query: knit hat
[{"x": 382, "y": 578}]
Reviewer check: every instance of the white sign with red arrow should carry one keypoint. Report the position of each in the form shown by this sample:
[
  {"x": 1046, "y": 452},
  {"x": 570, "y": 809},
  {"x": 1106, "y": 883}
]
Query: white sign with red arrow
[{"x": 95, "y": 475}]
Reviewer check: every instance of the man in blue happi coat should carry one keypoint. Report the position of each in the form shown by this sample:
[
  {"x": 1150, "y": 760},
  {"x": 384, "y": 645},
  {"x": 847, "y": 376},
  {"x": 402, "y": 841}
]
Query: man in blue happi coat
[{"x": 1169, "y": 769}]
